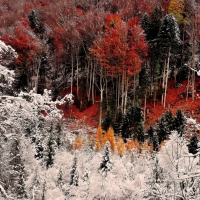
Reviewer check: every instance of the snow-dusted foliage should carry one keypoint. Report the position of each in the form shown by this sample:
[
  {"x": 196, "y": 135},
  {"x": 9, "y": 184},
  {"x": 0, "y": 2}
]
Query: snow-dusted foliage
[{"x": 7, "y": 53}]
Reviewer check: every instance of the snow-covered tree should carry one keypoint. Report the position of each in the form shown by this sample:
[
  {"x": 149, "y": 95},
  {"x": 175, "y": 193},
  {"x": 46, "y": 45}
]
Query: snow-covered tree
[
  {"x": 106, "y": 164},
  {"x": 74, "y": 175},
  {"x": 193, "y": 145},
  {"x": 16, "y": 172}
]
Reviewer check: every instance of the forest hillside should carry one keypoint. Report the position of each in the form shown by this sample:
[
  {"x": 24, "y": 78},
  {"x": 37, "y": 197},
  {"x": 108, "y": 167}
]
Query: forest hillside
[{"x": 99, "y": 99}]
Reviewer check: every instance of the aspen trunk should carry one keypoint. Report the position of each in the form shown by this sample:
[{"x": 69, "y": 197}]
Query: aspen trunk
[
  {"x": 163, "y": 82},
  {"x": 166, "y": 81},
  {"x": 145, "y": 105},
  {"x": 77, "y": 75}
]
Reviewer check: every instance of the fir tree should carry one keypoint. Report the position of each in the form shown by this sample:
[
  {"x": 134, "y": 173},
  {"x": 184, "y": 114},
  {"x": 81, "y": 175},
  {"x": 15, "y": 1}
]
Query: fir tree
[
  {"x": 58, "y": 134},
  {"x": 49, "y": 152},
  {"x": 155, "y": 22},
  {"x": 139, "y": 132},
  {"x": 118, "y": 121},
  {"x": 169, "y": 119},
  {"x": 155, "y": 143},
  {"x": 60, "y": 181},
  {"x": 107, "y": 121},
  {"x": 126, "y": 133},
  {"x": 35, "y": 22},
  {"x": 150, "y": 133},
  {"x": 39, "y": 149},
  {"x": 74, "y": 175},
  {"x": 162, "y": 130},
  {"x": 145, "y": 24},
  {"x": 105, "y": 165},
  {"x": 169, "y": 33},
  {"x": 193, "y": 145},
  {"x": 157, "y": 172},
  {"x": 179, "y": 123},
  {"x": 16, "y": 179}
]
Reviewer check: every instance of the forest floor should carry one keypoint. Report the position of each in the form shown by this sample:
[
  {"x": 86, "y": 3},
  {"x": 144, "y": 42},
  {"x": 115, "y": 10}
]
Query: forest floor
[{"x": 175, "y": 100}]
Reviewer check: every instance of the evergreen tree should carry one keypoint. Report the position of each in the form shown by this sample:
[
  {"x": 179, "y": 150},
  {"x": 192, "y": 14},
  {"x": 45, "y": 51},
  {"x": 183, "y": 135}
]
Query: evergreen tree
[
  {"x": 74, "y": 174},
  {"x": 157, "y": 172},
  {"x": 105, "y": 165},
  {"x": 169, "y": 33},
  {"x": 139, "y": 132},
  {"x": 162, "y": 130},
  {"x": 132, "y": 123},
  {"x": 155, "y": 23},
  {"x": 169, "y": 119},
  {"x": 126, "y": 133},
  {"x": 155, "y": 143},
  {"x": 107, "y": 121},
  {"x": 118, "y": 121},
  {"x": 58, "y": 134},
  {"x": 49, "y": 152},
  {"x": 16, "y": 179},
  {"x": 39, "y": 149},
  {"x": 36, "y": 22},
  {"x": 60, "y": 181},
  {"x": 150, "y": 133},
  {"x": 179, "y": 122},
  {"x": 144, "y": 81},
  {"x": 145, "y": 24},
  {"x": 193, "y": 145}
]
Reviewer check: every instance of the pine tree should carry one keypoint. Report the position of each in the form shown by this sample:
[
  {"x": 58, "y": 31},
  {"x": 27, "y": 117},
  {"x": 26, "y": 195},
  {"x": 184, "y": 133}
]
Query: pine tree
[
  {"x": 139, "y": 132},
  {"x": 145, "y": 22},
  {"x": 126, "y": 133},
  {"x": 169, "y": 119},
  {"x": 150, "y": 133},
  {"x": 107, "y": 121},
  {"x": 117, "y": 123},
  {"x": 49, "y": 152},
  {"x": 35, "y": 22},
  {"x": 60, "y": 181},
  {"x": 58, "y": 134},
  {"x": 155, "y": 23},
  {"x": 157, "y": 172},
  {"x": 162, "y": 130},
  {"x": 74, "y": 175},
  {"x": 105, "y": 165},
  {"x": 155, "y": 143},
  {"x": 193, "y": 145},
  {"x": 16, "y": 179},
  {"x": 179, "y": 122},
  {"x": 39, "y": 149},
  {"x": 169, "y": 33}
]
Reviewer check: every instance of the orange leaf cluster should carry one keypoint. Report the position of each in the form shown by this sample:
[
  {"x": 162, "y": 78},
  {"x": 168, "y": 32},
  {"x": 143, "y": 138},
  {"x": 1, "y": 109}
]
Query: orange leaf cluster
[
  {"x": 120, "y": 146},
  {"x": 111, "y": 138},
  {"x": 146, "y": 147},
  {"x": 78, "y": 143},
  {"x": 132, "y": 144}
]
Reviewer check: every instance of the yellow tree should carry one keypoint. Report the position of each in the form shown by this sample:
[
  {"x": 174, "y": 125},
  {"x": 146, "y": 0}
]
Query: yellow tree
[
  {"x": 78, "y": 142},
  {"x": 177, "y": 7},
  {"x": 111, "y": 138},
  {"x": 132, "y": 144},
  {"x": 99, "y": 138},
  {"x": 120, "y": 146}
]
